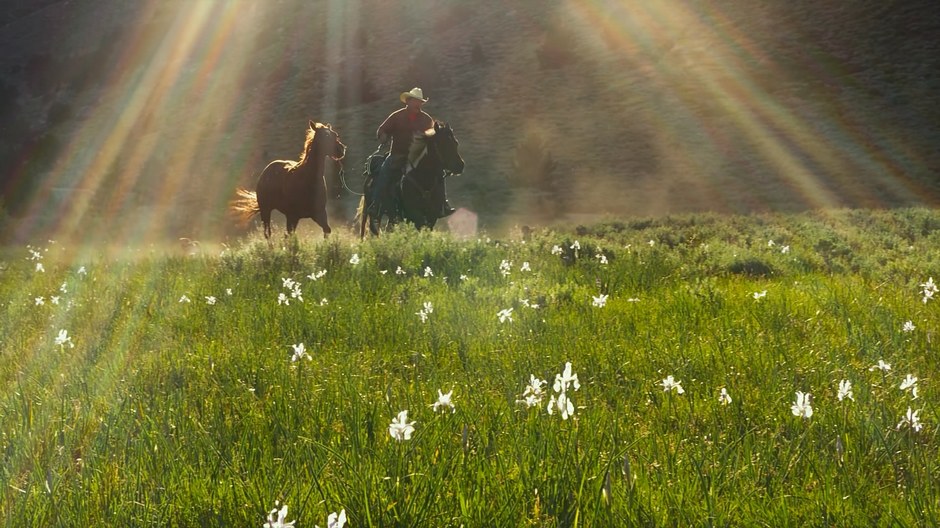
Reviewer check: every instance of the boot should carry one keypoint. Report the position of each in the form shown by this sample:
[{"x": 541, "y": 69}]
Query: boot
[{"x": 446, "y": 209}]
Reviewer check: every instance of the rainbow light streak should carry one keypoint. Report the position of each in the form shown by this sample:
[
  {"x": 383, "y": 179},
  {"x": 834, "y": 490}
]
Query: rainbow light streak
[{"x": 793, "y": 144}]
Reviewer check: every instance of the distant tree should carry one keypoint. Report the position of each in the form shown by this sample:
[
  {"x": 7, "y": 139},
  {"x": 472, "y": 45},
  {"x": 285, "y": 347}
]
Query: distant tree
[
  {"x": 355, "y": 87},
  {"x": 532, "y": 164},
  {"x": 477, "y": 57},
  {"x": 558, "y": 46},
  {"x": 38, "y": 72},
  {"x": 58, "y": 113},
  {"x": 423, "y": 71},
  {"x": 9, "y": 92},
  {"x": 535, "y": 168},
  {"x": 5, "y": 222}
]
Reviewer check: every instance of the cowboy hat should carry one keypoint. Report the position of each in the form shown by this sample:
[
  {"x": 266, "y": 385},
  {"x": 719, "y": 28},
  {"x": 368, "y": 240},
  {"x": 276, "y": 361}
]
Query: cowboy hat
[{"x": 415, "y": 93}]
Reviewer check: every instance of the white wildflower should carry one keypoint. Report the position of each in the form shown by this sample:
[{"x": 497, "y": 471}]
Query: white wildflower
[
  {"x": 505, "y": 315},
  {"x": 845, "y": 390},
  {"x": 532, "y": 395},
  {"x": 505, "y": 267},
  {"x": 300, "y": 352},
  {"x": 928, "y": 289},
  {"x": 910, "y": 383},
  {"x": 317, "y": 275},
  {"x": 911, "y": 420},
  {"x": 400, "y": 428},
  {"x": 723, "y": 397},
  {"x": 566, "y": 379},
  {"x": 561, "y": 403},
  {"x": 335, "y": 520},
  {"x": 63, "y": 339},
  {"x": 278, "y": 518},
  {"x": 444, "y": 402},
  {"x": 802, "y": 406},
  {"x": 882, "y": 366},
  {"x": 671, "y": 383}
]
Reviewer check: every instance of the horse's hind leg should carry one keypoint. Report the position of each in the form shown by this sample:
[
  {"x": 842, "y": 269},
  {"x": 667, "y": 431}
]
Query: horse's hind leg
[
  {"x": 266, "y": 219},
  {"x": 320, "y": 218}
]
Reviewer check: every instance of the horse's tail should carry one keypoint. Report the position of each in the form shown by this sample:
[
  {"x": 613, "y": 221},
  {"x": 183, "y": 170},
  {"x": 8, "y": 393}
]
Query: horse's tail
[
  {"x": 245, "y": 206},
  {"x": 361, "y": 217}
]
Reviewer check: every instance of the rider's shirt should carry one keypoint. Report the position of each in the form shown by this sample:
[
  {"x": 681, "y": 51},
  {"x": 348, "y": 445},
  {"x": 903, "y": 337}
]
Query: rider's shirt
[{"x": 402, "y": 126}]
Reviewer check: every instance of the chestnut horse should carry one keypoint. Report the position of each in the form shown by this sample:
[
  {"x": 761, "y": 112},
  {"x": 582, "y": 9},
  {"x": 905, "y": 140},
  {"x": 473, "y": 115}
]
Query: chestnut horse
[{"x": 295, "y": 188}]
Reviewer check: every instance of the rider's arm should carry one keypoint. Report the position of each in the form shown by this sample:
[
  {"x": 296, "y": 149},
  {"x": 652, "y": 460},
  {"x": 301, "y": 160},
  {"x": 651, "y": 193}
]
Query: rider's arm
[{"x": 382, "y": 136}]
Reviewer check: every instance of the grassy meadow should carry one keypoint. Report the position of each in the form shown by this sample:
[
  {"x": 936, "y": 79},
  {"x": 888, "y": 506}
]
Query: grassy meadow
[{"x": 162, "y": 389}]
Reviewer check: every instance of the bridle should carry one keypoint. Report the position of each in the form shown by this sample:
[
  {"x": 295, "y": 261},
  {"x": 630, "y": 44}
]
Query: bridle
[{"x": 338, "y": 159}]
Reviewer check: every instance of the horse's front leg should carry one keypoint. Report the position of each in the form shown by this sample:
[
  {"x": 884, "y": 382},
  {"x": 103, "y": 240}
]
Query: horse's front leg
[{"x": 292, "y": 222}]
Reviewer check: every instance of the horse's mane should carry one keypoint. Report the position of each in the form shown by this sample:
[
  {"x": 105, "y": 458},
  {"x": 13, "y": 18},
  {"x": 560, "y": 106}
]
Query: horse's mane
[{"x": 311, "y": 133}]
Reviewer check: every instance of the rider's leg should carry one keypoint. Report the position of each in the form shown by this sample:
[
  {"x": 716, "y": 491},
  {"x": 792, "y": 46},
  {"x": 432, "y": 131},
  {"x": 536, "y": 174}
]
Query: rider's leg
[{"x": 387, "y": 176}]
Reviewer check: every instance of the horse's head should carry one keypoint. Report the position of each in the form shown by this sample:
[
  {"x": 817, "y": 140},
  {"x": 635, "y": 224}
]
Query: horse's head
[
  {"x": 445, "y": 147},
  {"x": 326, "y": 141}
]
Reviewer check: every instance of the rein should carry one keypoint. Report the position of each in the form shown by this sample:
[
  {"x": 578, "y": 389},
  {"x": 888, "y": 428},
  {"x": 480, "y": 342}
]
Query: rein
[{"x": 342, "y": 179}]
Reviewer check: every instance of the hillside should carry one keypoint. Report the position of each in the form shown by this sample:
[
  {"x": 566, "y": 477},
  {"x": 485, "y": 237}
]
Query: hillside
[{"x": 144, "y": 117}]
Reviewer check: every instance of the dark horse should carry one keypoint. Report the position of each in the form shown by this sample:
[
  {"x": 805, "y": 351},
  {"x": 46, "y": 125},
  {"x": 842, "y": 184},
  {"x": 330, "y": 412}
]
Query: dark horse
[
  {"x": 419, "y": 195},
  {"x": 295, "y": 188}
]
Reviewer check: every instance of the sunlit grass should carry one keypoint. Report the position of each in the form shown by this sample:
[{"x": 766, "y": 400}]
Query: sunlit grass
[{"x": 189, "y": 412}]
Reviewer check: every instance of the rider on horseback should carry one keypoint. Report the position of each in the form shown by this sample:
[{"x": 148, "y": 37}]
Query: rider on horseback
[{"x": 403, "y": 127}]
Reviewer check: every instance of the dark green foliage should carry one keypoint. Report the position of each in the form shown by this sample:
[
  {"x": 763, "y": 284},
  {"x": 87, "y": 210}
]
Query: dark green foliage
[{"x": 751, "y": 267}]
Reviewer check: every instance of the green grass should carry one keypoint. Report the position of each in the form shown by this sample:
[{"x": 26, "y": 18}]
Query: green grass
[{"x": 167, "y": 413}]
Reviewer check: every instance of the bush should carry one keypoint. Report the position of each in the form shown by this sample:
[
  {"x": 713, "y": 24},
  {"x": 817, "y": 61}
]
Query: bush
[{"x": 5, "y": 223}]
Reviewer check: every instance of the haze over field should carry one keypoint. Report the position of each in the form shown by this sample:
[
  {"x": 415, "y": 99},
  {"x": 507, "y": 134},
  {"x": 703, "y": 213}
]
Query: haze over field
[{"x": 135, "y": 121}]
